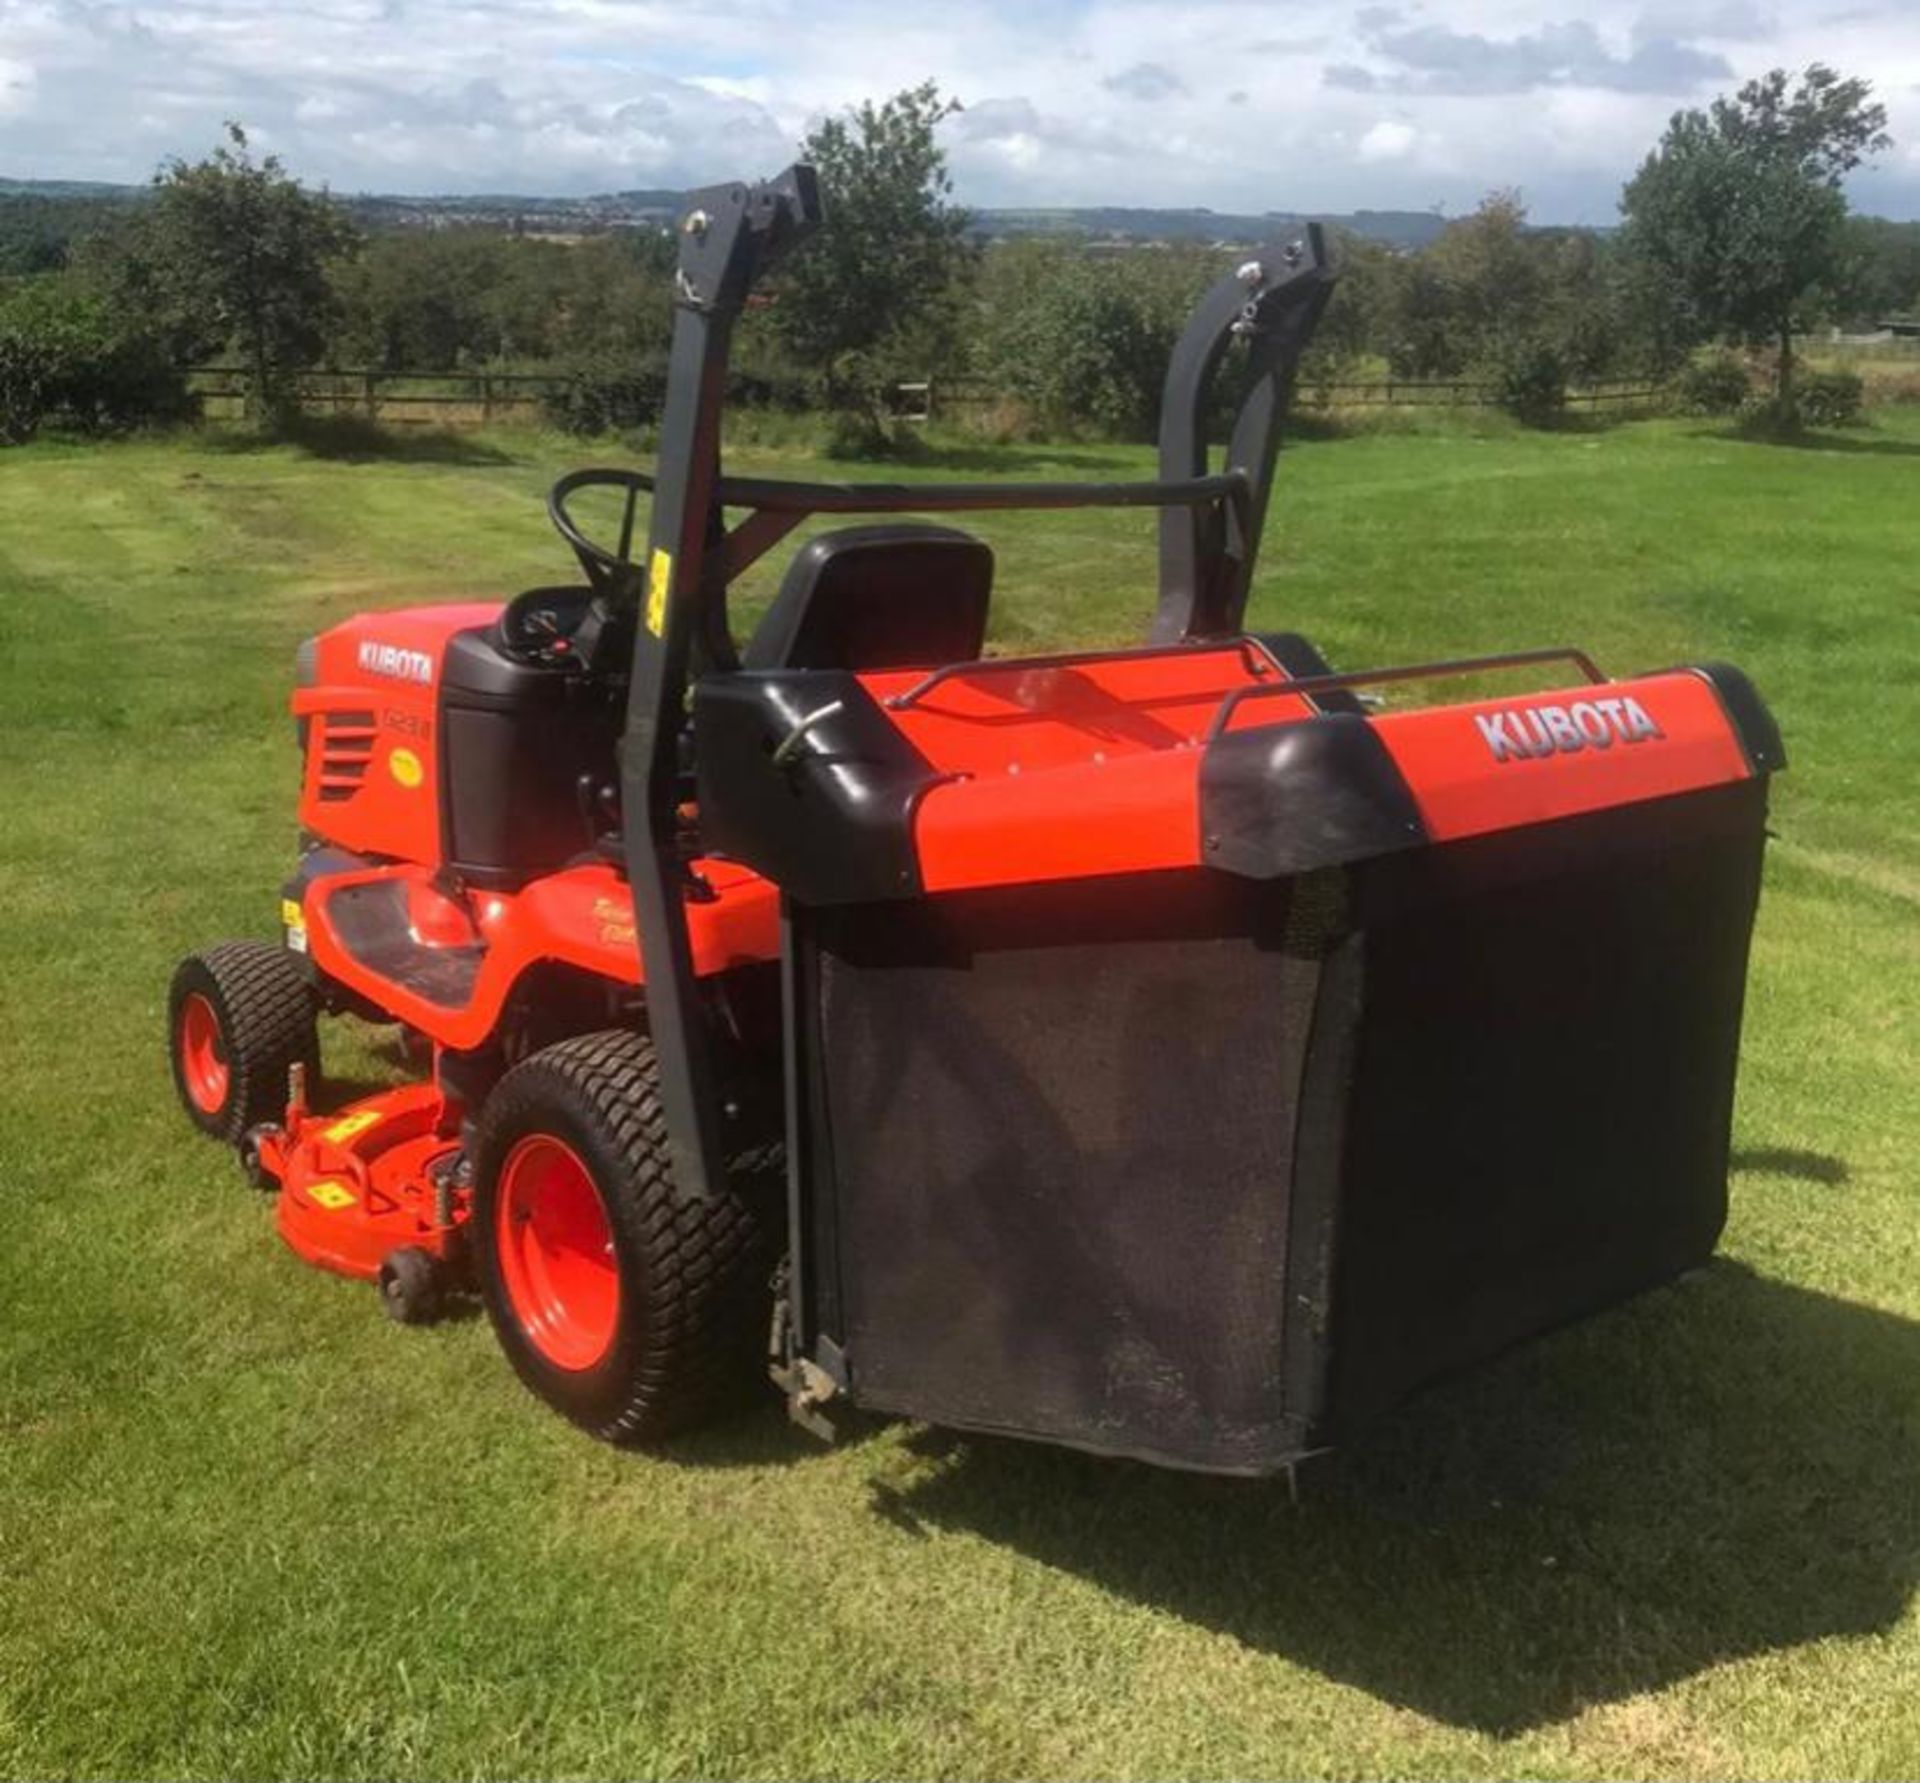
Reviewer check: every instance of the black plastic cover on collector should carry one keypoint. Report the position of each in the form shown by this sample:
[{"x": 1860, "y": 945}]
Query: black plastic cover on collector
[
  {"x": 803, "y": 778},
  {"x": 1752, "y": 723},
  {"x": 1279, "y": 799}
]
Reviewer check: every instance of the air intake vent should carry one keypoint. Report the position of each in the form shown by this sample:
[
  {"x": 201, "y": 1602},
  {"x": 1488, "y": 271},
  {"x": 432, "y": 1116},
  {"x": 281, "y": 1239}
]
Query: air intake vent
[{"x": 346, "y": 746}]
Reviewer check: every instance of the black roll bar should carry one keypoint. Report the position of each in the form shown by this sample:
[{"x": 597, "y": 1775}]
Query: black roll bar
[
  {"x": 1272, "y": 302},
  {"x": 729, "y": 236}
]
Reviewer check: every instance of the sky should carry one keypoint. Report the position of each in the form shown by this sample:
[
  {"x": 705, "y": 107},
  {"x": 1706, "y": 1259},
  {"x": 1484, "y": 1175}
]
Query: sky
[{"x": 1304, "y": 105}]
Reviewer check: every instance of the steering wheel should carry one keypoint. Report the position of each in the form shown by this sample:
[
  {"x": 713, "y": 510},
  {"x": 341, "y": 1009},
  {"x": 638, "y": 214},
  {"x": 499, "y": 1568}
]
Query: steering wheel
[
  {"x": 609, "y": 573},
  {"x": 555, "y": 627}
]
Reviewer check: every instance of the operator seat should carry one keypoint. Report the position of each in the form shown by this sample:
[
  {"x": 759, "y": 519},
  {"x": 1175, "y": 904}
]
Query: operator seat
[{"x": 902, "y": 596}]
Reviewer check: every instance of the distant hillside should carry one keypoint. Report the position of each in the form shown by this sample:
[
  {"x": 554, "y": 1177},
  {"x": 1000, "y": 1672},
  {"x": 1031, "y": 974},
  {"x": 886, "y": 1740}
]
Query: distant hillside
[
  {"x": 655, "y": 208},
  {"x": 504, "y": 210},
  {"x": 66, "y": 190},
  {"x": 1397, "y": 228}
]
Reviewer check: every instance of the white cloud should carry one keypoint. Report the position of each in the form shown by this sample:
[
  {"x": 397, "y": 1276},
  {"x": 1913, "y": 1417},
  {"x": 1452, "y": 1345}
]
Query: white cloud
[
  {"x": 1388, "y": 140},
  {"x": 1068, "y": 101}
]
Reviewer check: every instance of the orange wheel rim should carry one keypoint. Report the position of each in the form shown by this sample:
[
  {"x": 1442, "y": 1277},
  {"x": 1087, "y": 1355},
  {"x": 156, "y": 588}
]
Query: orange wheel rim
[
  {"x": 203, "y": 1055},
  {"x": 554, "y": 1242}
]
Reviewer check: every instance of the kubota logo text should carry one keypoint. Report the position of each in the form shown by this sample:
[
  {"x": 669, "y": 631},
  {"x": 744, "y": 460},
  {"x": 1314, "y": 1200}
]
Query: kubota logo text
[
  {"x": 402, "y": 665},
  {"x": 1524, "y": 732}
]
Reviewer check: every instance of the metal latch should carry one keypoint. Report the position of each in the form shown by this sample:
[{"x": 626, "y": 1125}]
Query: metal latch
[
  {"x": 789, "y": 745},
  {"x": 808, "y": 1387}
]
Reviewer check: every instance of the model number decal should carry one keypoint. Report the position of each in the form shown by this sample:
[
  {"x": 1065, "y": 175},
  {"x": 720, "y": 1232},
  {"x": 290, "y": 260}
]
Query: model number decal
[
  {"x": 408, "y": 724},
  {"x": 1524, "y": 733},
  {"x": 398, "y": 664}
]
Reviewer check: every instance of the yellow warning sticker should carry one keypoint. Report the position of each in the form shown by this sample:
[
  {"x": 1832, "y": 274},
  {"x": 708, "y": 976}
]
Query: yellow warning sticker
[
  {"x": 659, "y": 578},
  {"x": 405, "y": 767},
  {"x": 343, "y": 1130},
  {"x": 294, "y": 920},
  {"x": 330, "y": 1194}
]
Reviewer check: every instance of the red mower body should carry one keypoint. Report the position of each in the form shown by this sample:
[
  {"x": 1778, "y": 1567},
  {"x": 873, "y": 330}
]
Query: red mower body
[
  {"x": 1183, "y": 1051},
  {"x": 368, "y": 721}
]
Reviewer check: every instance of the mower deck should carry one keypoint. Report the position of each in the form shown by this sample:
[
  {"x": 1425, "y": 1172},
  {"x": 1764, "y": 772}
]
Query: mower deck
[{"x": 368, "y": 1180}]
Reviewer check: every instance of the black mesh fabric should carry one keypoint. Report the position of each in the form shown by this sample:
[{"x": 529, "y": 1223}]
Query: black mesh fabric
[
  {"x": 1061, "y": 1125},
  {"x": 1538, "y": 1121},
  {"x": 1209, "y": 1171}
]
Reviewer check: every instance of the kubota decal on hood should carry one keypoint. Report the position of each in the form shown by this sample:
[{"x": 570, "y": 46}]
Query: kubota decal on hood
[{"x": 390, "y": 659}]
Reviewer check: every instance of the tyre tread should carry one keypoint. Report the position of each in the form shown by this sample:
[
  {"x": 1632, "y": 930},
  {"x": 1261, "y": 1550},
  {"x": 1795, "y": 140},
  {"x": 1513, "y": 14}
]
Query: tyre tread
[
  {"x": 707, "y": 1259},
  {"x": 268, "y": 1008}
]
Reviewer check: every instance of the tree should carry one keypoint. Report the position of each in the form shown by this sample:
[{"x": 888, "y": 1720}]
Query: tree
[
  {"x": 66, "y": 354},
  {"x": 1739, "y": 213},
  {"x": 1495, "y": 274},
  {"x": 1420, "y": 336},
  {"x": 1881, "y": 270},
  {"x": 883, "y": 267},
  {"x": 1354, "y": 327},
  {"x": 1082, "y": 341},
  {"x": 38, "y": 234},
  {"x": 239, "y": 252}
]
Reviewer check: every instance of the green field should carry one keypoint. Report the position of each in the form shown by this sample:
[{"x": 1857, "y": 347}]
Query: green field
[{"x": 249, "y": 1528}]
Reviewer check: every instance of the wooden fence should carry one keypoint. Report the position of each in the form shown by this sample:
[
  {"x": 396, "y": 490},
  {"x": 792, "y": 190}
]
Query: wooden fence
[
  {"x": 417, "y": 399},
  {"x": 948, "y": 397},
  {"x": 474, "y": 399},
  {"x": 1412, "y": 393}
]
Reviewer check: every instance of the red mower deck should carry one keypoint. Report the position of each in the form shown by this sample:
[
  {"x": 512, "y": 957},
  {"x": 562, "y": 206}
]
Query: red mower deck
[{"x": 377, "y": 1177}]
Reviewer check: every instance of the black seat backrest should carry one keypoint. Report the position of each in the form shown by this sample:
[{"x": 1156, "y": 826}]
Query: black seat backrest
[{"x": 905, "y": 596}]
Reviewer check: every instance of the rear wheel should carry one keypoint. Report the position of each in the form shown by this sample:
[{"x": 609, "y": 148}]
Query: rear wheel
[
  {"x": 239, "y": 1017},
  {"x": 630, "y": 1307}
]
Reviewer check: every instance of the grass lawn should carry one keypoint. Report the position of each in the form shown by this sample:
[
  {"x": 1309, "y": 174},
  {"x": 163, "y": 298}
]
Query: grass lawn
[{"x": 247, "y": 1527}]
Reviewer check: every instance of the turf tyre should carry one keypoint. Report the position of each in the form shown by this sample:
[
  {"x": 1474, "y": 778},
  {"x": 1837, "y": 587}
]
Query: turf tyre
[
  {"x": 687, "y": 1338},
  {"x": 265, "y": 1019}
]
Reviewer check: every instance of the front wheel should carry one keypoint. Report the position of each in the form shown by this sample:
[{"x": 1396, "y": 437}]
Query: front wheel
[
  {"x": 628, "y": 1306},
  {"x": 240, "y": 1016}
]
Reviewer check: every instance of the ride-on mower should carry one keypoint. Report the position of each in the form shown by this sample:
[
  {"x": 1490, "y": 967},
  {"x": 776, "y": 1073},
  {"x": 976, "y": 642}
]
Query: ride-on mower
[{"x": 1169, "y": 1051}]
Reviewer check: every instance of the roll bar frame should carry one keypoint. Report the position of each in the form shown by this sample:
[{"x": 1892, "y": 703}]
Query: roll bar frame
[{"x": 729, "y": 238}]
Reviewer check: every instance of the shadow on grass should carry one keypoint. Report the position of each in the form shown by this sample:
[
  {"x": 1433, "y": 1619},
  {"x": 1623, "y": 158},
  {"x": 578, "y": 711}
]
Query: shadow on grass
[
  {"x": 1044, "y": 462},
  {"x": 1584, "y": 419},
  {"x": 764, "y": 1436},
  {"x": 1788, "y": 1160},
  {"x": 352, "y": 439},
  {"x": 1437, "y": 420},
  {"x": 1724, "y": 1469},
  {"x": 1804, "y": 440},
  {"x": 1845, "y": 444}
]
